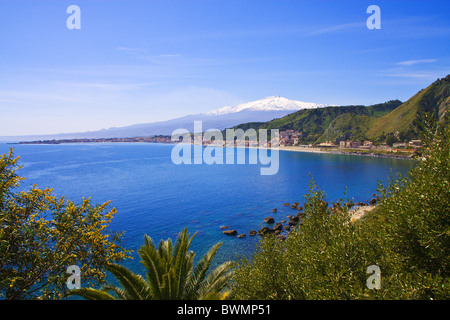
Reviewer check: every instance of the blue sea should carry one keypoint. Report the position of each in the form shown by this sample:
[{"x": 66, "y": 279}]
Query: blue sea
[{"x": 154, "y": 196}]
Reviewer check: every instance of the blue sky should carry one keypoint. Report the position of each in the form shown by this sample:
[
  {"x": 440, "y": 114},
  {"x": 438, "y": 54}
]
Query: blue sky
[{"x": 143, "y": 61}]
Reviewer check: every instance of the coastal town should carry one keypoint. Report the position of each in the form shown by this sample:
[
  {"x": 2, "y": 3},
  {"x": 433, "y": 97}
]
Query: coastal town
[{"x": 289, "y": 140}]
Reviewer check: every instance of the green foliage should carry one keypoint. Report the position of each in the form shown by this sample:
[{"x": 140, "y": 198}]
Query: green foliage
[
  {"x": 390, "y": 139},
  {"x": 320, "y": 259},
  {"x": 42, "y": 235},
  {"x": 327, "y": 255},
  {"x": 374, "y": 122},
  {"x": 171, "y": 274},
  {"x": 434, "y": 99},
  {"x": 329, "y": 123},
  {"x": 416, "y": 209}
]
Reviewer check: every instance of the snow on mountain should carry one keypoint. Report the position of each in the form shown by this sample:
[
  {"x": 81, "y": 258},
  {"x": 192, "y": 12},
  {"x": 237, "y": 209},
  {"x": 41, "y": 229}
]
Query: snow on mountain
[
  {"x": 274, "y": 103},
  {"x": 256, "y": 111}
]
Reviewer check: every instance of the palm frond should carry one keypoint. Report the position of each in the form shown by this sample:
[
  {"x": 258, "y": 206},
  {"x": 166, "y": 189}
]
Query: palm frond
[
  {"x": 154, "y": 266},
  {"x": 121, "y": 293},
  {"x": 201, "y": 269},
  {"x": 170, "y": 274},
  {"x": 216, "y": 280},
  {"x": 181, "y": 258},
  {"x": 135, "y": 286},
  {"x": 91, "y": 294}
]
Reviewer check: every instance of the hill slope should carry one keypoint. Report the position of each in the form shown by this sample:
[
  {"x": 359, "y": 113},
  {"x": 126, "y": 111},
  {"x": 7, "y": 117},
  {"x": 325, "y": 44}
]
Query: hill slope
[
  {"x": 328, "y": 123},
  {"x": 374, "y": 122},
  {"x": 435, "y": 98}
]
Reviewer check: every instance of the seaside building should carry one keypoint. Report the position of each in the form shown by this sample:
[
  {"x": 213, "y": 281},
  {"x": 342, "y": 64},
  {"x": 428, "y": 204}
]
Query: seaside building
[
  {"x": 400, "y": 145},
  {"x": 350, "y": 144},
  {"x": 326, "y": 144},
  {"x": 415, "y": 143}
]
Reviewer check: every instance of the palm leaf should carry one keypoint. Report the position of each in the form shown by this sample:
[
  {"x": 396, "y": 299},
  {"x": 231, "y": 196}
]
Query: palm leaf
[
  {"x": 155, "y": 268},
  {"x": 201, "y": 270},
  {"x": 181, "y": 259},
  {"x": 121, "y": 294},
  {"x": 91, "y": 294},
  {"x": 170, "y": 274},
  {"x": 135, "y": 286},
  {"x": 216, "y": 280}
]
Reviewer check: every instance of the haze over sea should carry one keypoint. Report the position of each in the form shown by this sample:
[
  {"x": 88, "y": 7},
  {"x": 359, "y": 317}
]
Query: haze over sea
[{"x": 153, "y": 196}]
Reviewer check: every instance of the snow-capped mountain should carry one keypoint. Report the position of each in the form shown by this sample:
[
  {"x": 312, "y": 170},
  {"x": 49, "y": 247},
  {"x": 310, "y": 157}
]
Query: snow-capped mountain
[
  {"x": 256, "y": 111},
  {"x": 274, "y": 103}
]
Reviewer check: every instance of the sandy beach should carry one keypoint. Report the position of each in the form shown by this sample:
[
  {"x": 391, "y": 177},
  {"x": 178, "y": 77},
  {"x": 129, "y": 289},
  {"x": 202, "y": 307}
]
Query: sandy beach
[{"x": 337, "y": 151}]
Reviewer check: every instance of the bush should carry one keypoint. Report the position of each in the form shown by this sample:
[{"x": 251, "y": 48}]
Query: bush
[
  {"x": 327, "y": 256},
  {"x": 322, "y": 258},
  {"x": 41, "y": 235},
  {"x": 416, "y": 211}
]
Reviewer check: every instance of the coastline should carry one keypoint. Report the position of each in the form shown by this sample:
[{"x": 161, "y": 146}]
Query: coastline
[
  {"x": 335, "y": 151},
  {"x": 354, "y": 152},
  {"x": 351, "y": 153}
]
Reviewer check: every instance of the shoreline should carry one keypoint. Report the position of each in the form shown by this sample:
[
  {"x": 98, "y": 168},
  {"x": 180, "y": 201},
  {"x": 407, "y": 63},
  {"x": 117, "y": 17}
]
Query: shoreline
[
  {"x": 372, "y": 154},
  {"x": 351, "y": 153},
  {"x": 335, "y": 151}
]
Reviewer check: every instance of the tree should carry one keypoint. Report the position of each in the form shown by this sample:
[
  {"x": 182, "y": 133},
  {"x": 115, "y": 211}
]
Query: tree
[
  {"x": 390, "y": 139},
  {"x": 416, "y": 213},
  {"x": 41, "y": 235},
  {"x": 171, "y": 275}
]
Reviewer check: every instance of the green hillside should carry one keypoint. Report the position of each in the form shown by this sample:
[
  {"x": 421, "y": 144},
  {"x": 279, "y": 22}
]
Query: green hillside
[
  {"x": 435, "y": 99},
  {"x": 329, "y": 123},
  {"x": 376, "y": 122}
]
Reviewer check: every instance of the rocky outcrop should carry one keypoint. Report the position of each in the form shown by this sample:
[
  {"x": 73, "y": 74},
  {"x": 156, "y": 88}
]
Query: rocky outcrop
[
  {"x": 265, "y": 230},
  {"x": 278, "y": 226},
  {"x": 230, "y": 232},
  {"x": 294, "y": 221},
  {"x": 269, "y": 220}
]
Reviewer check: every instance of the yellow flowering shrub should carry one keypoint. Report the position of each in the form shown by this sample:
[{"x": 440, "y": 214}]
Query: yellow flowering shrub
[{"x": 41, "y": 235}]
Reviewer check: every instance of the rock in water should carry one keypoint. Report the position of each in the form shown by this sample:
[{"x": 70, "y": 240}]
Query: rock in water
[
  {"x": 269, "y": 220},
  {"x": 230, "y": 232}
]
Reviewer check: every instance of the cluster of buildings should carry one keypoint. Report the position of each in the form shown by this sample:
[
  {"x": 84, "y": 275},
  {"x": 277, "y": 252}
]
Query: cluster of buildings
[
  {"x": 286, "y": 138},
  {"x": 159, "y": 139},
  {"x": 369, "y": 145},
  {"x": 356, "y": 144},
  {"x": 290, "y": 137}
]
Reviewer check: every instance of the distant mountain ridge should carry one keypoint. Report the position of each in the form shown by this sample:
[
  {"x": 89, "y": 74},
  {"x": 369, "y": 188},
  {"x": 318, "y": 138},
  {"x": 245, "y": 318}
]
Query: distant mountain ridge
[
  {"x": 274, "y": 103},
  {"x": 260, "y": 111}
]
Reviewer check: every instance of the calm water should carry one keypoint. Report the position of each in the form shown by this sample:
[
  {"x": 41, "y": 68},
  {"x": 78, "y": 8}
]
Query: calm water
[{"x": 153, "y": 196}]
